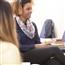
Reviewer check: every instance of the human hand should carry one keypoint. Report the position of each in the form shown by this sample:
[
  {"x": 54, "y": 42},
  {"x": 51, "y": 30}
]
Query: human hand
[{"x": 41, "y": 45}]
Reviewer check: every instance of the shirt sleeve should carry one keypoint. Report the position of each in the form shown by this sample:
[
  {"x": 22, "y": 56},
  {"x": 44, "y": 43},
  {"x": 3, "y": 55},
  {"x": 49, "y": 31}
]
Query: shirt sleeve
[
  {"x": 37, "y": 38},
  {"x": 26, "y": 47}
]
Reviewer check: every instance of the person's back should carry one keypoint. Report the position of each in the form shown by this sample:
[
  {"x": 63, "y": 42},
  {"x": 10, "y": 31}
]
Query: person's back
[{"x": 9, "y": 54}]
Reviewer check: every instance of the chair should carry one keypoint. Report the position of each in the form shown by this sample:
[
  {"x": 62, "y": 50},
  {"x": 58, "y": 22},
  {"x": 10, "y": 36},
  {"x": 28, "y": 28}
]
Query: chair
[
  {"x": 48, "y": 29},
  {"x": 63, "y": 37}
]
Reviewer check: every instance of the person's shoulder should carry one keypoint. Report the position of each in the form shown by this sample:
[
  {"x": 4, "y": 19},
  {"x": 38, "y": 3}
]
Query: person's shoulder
[
  {"x": 7, "y": 46},
  {"x": 34, "y": 23},
  {"x": 35, "y": 26},
  {"x": 9, "y": 50}
]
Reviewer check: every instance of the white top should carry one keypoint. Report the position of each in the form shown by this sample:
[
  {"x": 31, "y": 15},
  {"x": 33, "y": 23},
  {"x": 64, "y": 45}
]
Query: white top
[{"x": 9, "y": 54}]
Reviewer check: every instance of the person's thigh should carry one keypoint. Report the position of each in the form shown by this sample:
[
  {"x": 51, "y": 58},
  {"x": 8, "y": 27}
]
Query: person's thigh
[
  {"x": 53, "y": 61},
  {"x": 39, "y": 55}
]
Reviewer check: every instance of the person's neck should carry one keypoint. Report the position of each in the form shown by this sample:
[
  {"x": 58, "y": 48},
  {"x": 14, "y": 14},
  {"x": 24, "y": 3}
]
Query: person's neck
[{"x": 23, "y": 19}]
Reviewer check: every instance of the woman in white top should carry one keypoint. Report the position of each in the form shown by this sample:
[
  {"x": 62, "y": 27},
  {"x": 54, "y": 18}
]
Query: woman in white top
[{"x": 9, "y": 52}]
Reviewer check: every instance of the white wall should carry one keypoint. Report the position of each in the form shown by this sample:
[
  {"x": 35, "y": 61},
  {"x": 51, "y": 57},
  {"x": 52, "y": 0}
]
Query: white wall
[
  {"x": 53, "y": 9},
  {"x": 49, "y": 9}
]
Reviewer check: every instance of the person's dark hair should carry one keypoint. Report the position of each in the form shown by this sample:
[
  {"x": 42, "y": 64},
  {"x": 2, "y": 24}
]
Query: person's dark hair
[{"x": 23, "y": 2}]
